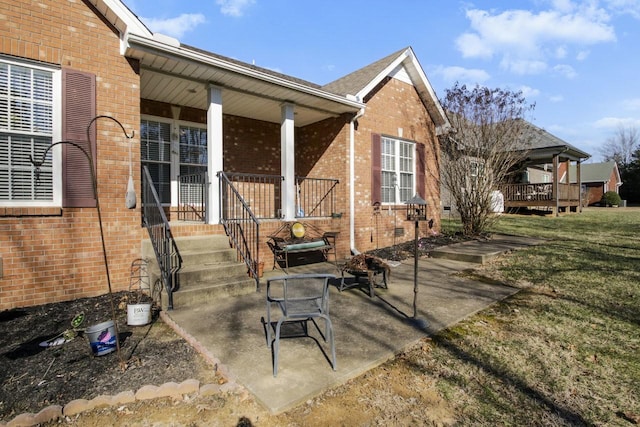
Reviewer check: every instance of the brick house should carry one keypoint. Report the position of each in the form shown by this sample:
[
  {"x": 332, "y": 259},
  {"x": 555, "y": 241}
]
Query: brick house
[
  {"x": 597, "y": 179},
  {"x": 343, "y": 157}
]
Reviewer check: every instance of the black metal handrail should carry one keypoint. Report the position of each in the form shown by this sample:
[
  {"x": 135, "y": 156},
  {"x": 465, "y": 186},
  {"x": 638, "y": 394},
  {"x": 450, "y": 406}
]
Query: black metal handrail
[
  {"x": 261, "y": 193},
  {"x": 240, "y": 224},
  {"x": 164, "y": 245},
  {"x": 192, "y": 197},
  {"x": 316, "y": 197}
]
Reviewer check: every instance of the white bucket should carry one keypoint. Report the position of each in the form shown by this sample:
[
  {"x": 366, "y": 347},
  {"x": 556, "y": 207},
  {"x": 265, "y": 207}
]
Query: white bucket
[
  {"x": 102, "y": 337},
  {"x": 138, "y": 314}
]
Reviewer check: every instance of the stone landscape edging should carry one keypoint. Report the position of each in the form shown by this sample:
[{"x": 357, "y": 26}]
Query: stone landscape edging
[{"x": 146, "y": 392}]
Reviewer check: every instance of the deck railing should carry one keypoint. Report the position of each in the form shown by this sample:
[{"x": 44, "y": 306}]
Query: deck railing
[
  {"x": 164, "y": 246},
  {"x": 527, "y": 192},
  {"x": 539, "y": 192},
  {"x": 316, "y": 197}
]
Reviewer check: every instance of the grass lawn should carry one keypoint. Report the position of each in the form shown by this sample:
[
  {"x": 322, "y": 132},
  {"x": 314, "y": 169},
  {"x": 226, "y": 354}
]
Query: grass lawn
[{"x": 566, "y": 349}]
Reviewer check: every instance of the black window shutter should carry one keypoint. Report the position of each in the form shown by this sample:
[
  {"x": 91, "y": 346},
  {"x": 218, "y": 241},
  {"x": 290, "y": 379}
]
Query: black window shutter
[
  {"x": 420, "y": 170},
  {"x": 78, "y": 109},
  {"x": 376, "y": 169}
]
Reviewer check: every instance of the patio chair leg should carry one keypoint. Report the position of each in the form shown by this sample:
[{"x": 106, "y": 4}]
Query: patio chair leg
[
  {"x": 334, "y": 364},
  {"x": 276, "y": 348}
]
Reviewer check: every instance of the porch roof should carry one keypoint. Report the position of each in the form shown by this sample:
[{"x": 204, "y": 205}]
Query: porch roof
[
  {"x": 543, "y": 146},
  {"x": 179, "y": 74}
]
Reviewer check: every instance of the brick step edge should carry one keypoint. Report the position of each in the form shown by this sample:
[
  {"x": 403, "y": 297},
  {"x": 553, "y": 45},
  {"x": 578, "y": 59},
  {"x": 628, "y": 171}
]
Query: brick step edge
[{"x": 146, "y": 392}]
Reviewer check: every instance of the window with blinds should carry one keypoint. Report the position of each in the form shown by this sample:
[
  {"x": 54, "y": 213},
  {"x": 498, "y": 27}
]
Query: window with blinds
[
  {"x": 155, "y": 146},
  {"x": 26, "y": 129},
  {"x": 398, "y": 170}
]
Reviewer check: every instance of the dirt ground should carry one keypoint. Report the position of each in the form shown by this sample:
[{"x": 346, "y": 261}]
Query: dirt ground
[{"x": 34, "y": 376}]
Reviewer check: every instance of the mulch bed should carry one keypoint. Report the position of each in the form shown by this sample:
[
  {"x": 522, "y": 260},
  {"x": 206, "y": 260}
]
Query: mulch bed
[
  {"x": 406, "y": 250},
  {"x": 33, "y": 377}
]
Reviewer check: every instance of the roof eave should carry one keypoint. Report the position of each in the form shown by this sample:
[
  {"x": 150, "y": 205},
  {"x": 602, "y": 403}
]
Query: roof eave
[{"x": 136, "y": 44}]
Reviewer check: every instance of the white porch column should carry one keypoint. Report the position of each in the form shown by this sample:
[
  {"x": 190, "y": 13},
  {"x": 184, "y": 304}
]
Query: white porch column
[
  {"x": 287, "y": 162},
  {"x": 214, "y": 152}
]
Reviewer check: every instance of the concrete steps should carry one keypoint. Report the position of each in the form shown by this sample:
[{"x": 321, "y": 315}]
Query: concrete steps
[{"x": 210, "y": 271}]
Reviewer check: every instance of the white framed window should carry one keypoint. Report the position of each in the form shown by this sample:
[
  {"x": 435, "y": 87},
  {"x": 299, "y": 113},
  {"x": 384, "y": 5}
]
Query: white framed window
[
  {"x": 398, "y": 170},
  {"x": 155, "y": 153},
  {"x": 193, "y": 149},
  {"x": 30, "y": 98},
  {"x": 170, "y": 148}
]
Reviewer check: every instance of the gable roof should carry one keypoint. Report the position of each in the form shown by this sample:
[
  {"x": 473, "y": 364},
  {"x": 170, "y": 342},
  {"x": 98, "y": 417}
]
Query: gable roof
[
  {"x": 362, "y": 81},
  {"x": 595, "y": 172}
]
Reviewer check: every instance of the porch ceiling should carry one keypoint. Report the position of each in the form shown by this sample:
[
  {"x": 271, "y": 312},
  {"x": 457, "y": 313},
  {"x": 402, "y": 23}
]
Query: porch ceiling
[{"x": 181, "y": 75}]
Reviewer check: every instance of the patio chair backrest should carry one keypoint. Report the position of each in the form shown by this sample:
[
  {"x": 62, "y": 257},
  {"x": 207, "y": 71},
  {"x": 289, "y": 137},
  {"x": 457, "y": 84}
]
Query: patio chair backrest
[{"x": 302, "y": 294}]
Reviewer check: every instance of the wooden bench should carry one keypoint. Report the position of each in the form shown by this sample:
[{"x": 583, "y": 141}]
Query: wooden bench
[{"x": 296, "y": 238}]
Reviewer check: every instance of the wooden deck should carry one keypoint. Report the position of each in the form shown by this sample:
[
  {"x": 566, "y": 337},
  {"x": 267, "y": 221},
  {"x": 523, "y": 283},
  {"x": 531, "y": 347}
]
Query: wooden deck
[{"x": 541, "y": 195}]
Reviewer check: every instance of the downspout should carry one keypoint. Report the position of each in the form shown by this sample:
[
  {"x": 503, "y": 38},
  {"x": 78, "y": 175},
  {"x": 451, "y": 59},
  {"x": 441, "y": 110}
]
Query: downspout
[{"x": 352, "y": 190}]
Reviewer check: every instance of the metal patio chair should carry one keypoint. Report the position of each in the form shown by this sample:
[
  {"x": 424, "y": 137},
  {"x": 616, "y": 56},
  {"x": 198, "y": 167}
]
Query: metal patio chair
[{"x": 300, "y": 298}]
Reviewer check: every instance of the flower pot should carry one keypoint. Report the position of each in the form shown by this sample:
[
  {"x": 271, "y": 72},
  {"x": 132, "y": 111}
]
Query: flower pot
[
  {"x": 102, "y": 338},
  {"x": 138, "y": 314}
]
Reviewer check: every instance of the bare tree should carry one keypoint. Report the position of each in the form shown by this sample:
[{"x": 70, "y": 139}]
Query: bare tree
[
  {"x": 485, "y": 144},
  {"x": 621, "y": 146}
]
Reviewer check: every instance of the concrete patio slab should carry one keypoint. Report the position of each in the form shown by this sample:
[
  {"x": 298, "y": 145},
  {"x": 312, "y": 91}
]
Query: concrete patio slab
[{"x": 368, "y": 331}]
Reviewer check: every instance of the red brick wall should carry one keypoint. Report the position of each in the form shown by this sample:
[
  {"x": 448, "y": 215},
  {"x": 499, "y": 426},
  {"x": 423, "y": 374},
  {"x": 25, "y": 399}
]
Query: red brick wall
[
  {"x": 393, "y": 105},
  {"x": 55, "y": 254}
]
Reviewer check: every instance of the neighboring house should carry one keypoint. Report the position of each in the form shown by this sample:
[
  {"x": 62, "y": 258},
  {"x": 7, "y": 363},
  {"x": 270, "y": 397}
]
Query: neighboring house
[
  {"x": 539, "y": 181},
  {"x": 597, "y": 179},
  {"x": 337, "y": 155},
  {"x": 541, "y": 185}
]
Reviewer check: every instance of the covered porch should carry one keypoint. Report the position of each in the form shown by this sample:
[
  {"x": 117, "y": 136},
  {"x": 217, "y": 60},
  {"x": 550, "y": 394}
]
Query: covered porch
[
  {"x": 543, "y": 181},
  {"x": 218, "y": 117},
  {"x": 235, "y": 146}
]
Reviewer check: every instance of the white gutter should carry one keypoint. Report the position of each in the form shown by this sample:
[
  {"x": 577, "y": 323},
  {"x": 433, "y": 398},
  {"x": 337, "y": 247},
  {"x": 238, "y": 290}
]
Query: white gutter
[
  {"x": 352, "y": 189},
  {"x": 153, "y": 46}
]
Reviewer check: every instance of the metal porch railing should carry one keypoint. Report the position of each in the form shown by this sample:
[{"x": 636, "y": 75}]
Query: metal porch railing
[
  {"x": 192, "y": 197},
  {"x": 164, "y": 246},
  {"x": 240, "y": 223},
  {"x": 261, "y": 193},
  {"x": 316, "y": 197}
]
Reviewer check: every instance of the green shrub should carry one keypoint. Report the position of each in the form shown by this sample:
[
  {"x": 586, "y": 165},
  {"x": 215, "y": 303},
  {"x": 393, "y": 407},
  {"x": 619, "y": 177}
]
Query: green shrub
[{"x": 611, "y": 198}]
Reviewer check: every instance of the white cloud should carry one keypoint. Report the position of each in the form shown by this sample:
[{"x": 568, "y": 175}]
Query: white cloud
[
  {"x": 529, "y": 92},
  {"x": 523, "y": 66},
  {"x": 175, "y": 27},
  {"x": 616, "y": 122},
  {"x": 630, "y": 7},
  {"x": 556, "y": 98},
  {"x": 561, "y": 52},
  {"x": 582, "y": 55},
  {"x": 234, "y": 7},
  {"x": 525, "y": 40},
  {"x": 468, "y": 76},
  {"x": 565, "y": 70}
]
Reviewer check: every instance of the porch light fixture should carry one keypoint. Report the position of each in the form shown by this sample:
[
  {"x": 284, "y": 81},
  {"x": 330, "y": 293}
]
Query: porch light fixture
[{"x": 416, "y": 212}]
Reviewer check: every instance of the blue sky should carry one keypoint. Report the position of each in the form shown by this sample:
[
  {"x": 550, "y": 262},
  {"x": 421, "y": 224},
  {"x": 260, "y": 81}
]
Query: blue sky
[{"x": 579, "y": 61}]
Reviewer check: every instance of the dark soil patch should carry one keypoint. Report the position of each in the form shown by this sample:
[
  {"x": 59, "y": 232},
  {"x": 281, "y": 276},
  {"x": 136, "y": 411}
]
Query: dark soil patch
[
  {"x": 34, "y": 377},
  {"x": 406, "y": 250}
]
